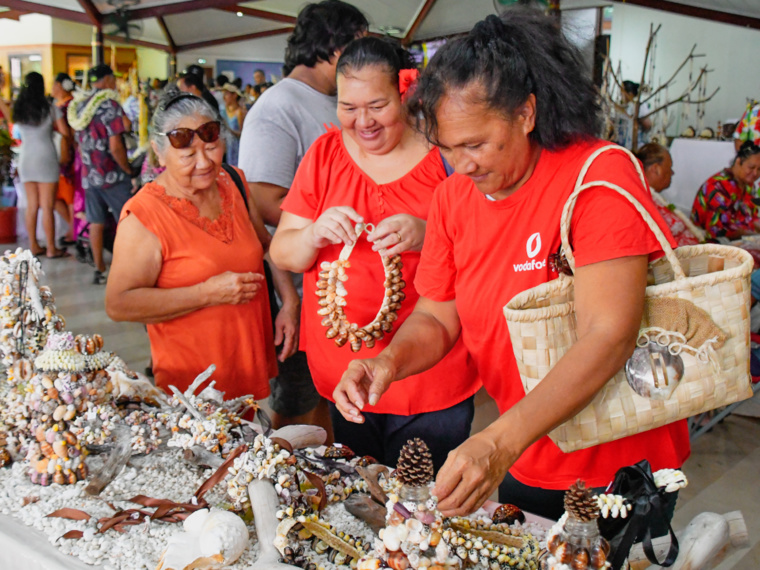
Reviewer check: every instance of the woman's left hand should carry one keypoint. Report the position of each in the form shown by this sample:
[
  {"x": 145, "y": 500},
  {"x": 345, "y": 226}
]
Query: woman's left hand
[
  {"x": 472, "y": 472},
  {"x": 397, "y": 234}
]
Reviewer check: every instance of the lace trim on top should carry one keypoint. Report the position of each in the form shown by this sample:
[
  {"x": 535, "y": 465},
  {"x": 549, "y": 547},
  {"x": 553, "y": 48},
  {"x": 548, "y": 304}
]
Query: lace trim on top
[{"x": 219, "y": 228}]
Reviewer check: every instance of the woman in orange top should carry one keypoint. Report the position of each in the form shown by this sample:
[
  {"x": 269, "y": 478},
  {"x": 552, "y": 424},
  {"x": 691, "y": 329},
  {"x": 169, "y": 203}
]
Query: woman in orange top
[
  {"x": 376, "y": 170},
  {"x": 189, "y": 263}
]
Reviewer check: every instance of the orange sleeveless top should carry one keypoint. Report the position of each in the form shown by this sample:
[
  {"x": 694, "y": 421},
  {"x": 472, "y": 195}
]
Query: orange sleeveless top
[{"x": 236, "y": 338}]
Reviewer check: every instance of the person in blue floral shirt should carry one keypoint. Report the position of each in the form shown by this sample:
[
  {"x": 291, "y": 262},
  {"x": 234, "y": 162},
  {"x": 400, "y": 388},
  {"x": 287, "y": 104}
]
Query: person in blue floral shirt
[
  {"x": 725, "y": 205},
  {"x": 98, "y": 120}
]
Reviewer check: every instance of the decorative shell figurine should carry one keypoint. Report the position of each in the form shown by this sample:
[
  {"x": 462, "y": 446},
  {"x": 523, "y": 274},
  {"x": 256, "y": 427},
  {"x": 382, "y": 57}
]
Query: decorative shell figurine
[
  {"x": 575, "y": 540},
  {"x": 211, "y": 539},
  {"x": 332, "y": 293}
]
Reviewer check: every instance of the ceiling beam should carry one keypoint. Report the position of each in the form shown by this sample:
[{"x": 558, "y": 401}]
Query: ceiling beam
[
  {"x": 263, "y": 14},
  {"x": 421, "y": 15},
  {"x": 233, "y": 39},
  {"x": 703, "y": 13},
  {"x": 134, "y": 42},
  {"x": 96, "y": 18},
  {"x": 167, "y": 34},
  {"x": 177, "y": 8},
  {"x": 52, "y": 11},
  {"x": 12, "y": 14}
]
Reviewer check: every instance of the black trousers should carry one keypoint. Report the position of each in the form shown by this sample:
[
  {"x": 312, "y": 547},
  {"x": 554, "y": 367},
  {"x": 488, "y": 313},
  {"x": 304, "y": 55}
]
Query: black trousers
[{"x": 383, "y": 435}]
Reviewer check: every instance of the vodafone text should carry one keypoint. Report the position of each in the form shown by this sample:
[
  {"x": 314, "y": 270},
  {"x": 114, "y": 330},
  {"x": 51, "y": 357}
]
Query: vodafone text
[{"x": 532, "y": 248}]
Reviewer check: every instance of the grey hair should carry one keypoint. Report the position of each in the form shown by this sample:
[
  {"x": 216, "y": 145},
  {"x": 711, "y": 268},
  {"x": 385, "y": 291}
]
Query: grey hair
[{"x": 165, "y": 120}]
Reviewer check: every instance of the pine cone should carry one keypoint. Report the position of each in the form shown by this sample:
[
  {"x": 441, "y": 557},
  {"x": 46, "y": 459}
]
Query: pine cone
[
  {"x": 415, "y": 464},
  {"x": 580, "y": 502}
]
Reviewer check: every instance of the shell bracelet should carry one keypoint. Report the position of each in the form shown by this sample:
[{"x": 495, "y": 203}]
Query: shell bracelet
[{"x": 332, "y": 293}]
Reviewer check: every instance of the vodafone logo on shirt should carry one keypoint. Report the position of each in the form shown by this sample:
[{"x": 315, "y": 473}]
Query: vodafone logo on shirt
[{"x": 532, "y": 248}]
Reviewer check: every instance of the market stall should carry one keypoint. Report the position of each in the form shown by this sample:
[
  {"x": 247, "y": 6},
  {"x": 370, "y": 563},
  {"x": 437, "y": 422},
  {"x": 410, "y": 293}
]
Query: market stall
[{"x": 103, "y": 470}]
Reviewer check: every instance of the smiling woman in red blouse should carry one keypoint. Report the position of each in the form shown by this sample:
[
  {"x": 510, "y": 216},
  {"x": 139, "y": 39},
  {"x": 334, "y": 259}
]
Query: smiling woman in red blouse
[{"x": 375, "y": 170}]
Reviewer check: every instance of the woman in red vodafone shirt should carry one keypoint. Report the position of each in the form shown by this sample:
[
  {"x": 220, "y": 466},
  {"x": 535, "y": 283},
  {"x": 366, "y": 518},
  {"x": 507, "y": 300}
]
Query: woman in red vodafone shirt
[
  {"x": 514, "y": 112},
  {"x": 376, "y": 170}
]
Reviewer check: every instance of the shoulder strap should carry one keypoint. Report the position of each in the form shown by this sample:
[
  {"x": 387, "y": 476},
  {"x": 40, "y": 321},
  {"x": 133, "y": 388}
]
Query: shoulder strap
[
  {"x": 238, "y": 182},
  {"x": 446, "y": 166}
]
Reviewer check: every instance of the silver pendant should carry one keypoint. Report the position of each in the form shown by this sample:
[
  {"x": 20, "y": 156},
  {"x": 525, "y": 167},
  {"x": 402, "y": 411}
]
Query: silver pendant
[{"x": 653, "y": 372}]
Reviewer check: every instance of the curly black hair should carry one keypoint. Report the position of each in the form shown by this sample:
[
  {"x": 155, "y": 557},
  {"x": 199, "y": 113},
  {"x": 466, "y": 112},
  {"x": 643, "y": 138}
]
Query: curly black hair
[
  {"x": 522, "y": 53},
  {"x": 384, "y": 52},
  {"x": 31, "y": 106},
  {"x": 322, "y": 29}
]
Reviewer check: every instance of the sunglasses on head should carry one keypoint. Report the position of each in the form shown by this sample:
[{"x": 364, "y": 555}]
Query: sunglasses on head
[{"x": 183, "y": 137}]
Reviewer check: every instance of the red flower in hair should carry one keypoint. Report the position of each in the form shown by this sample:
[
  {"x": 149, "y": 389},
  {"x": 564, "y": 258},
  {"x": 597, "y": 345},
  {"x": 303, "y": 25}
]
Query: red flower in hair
[{"x": 406, "y": 78}]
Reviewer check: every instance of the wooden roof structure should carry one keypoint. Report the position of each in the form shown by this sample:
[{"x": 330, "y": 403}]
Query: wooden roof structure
[{"x": 177, "y": 26}]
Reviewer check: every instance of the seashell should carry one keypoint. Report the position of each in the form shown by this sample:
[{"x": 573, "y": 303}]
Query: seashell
[
  {"x": 398, "y": 561},
  {"x": 70, "y": 438},
  {"x": 59, "y": 412},
  {"x": 339, "y": 451},
  {"x": 508, "y": 514},
  {"x": 553, "y": 542},
  {"x": 98, "y": 340},
  {"x": 39, "y": 433},
  {"x": 44, "y": 479},
  {"x": 71, "y": 478},
  {"x": 46, "y": 449},
  {"x": 58, "y": 478},
  {"x": 564, "y": 553},
  {"x": 59, "y": 447},
  {"x": 580, "y": 559},
  {"x": 42, "y": 465},
  {"x": 46, "y": 382},
  {"x": 81, "y": 471},
  {"x": 70, "y": 413}
]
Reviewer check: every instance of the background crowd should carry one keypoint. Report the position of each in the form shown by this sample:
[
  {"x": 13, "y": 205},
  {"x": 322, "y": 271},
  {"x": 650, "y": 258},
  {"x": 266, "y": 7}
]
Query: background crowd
[{"x": 456, "y": 171}]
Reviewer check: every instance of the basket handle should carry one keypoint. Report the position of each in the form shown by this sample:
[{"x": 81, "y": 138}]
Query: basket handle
[{"x": 567, "y": 211}]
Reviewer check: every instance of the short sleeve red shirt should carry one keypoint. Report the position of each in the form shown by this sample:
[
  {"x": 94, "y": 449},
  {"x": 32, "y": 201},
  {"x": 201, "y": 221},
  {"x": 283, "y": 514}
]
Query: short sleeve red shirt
[
  {"x": 482, "y": 253},
  {"x": 329, "y": 177}
]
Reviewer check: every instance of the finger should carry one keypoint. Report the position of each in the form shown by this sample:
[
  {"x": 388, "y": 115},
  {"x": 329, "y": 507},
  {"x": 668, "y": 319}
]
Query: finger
[
  {"x": 387, "y": 241},
  {"x": 258, "y": 277},
  {"x": 382, "y": 231},
  {"x": 279, "y": 334},
  {"x": 346, "y": 407},
  {"x": 333, "y": 236},
  {"x": 448, "y": 477},
  {"x": 288, "y": 346},
  {"x": 351, "y": 213},
  {"x": 378, "y": 387},
  {"x": 343, "y": 226}
]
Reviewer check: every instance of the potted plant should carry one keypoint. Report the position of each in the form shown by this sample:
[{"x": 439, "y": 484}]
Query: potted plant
[{"x": 7, "y": 210}]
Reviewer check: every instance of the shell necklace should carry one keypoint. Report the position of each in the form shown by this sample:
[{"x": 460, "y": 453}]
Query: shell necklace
[
  {"x": 332, "y": 293},
  {"x": 79, "y": 121}
]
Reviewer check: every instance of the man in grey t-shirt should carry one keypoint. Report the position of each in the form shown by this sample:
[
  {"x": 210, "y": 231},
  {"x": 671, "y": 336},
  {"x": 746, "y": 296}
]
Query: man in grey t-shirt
[{"x": 276, "y": 134}]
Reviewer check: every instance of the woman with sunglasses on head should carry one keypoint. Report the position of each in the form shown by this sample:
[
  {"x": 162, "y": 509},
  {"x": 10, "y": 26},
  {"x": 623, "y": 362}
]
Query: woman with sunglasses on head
[
  {"x": 725, "y": 204},
  {"x": 376, "y": 170},
  {"x": 188, "y": 260}
]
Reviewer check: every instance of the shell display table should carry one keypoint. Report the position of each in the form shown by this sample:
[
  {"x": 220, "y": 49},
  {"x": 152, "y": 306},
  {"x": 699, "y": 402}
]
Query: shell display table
[{"x": 24, "y": 547}]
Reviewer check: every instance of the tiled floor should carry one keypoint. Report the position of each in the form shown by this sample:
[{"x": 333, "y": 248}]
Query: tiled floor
[{"x": 724, "y": 468}]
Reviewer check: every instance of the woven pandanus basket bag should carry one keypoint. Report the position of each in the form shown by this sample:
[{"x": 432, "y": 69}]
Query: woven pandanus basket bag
[{"x": 715, "y": 278}]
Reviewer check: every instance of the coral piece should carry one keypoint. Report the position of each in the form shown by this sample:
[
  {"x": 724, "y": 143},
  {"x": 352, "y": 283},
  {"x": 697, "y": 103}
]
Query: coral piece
[{"x": 415, "y": 464}]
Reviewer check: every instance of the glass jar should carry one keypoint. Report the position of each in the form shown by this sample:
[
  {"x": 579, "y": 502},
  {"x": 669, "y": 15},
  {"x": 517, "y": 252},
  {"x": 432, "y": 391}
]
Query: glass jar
[{"x": 578, "y": 545}]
